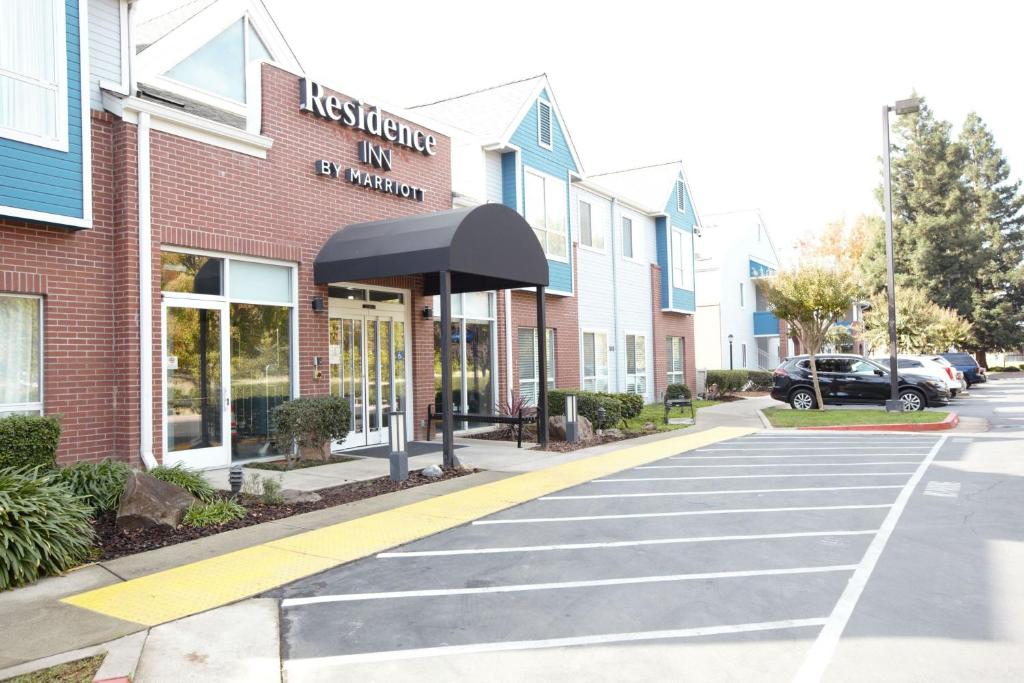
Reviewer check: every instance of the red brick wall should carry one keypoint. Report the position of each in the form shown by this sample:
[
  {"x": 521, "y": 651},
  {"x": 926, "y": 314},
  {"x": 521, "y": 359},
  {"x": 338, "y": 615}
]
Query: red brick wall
[
  {"x": 210, "y": 198},
  {"x": 668, "y": 324},
  {"x": 74, "y": 272}
]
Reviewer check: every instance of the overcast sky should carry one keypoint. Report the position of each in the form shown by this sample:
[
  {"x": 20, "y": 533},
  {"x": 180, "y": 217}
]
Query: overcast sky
[{"x": 770, "y": 105}]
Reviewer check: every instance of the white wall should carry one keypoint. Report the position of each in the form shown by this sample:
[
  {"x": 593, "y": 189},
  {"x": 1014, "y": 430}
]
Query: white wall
[
  {"x": 596, "y": 284},
  {"x": 104, "y": 46},
  {"x": 707, "y": 338}
]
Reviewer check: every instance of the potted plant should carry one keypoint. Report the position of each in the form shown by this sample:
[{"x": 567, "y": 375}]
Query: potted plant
[{"x": 305, "y": 427}]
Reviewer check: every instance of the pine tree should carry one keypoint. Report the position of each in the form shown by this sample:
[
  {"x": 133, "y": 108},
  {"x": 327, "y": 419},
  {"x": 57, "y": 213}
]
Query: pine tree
[{"x": 997, "y": 217}]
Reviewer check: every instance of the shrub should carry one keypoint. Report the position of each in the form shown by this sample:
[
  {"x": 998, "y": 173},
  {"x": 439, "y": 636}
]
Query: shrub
[
  {"x": 28, "y": 441},
  {"x": 760, "y": 380},
  {"x": 272, "y": 492},
  {"x": 1011, "y": 368},
  {"x": 190, "y": 480},
  {"x": 631, "y": 405},
  {"x": 673, "y": 391},
  {"x": 587, "y": 404},
  {"x": 99, "y": 484},
  {"x": 213, "y": 513},
  {"x": 996, "y": 368},
  {"x": 728, "y": 381},
  {"x": 556, "y": 401},
  {"x": 311, "y": 422},
  {"x": 44, "y": 527}
]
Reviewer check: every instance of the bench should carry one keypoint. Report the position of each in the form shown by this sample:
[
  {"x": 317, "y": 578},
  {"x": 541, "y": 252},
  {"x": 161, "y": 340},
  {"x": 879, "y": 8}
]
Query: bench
[
  {"x": 517, "y": 421},
  {"x": 680, "y": 403}
]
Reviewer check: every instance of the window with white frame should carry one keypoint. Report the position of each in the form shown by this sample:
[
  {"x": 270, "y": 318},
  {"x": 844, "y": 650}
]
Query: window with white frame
[
  {"x": 680, "y": 259},
  {"x": 636, "y": 364},
  {"x": 528, "y": 366},
  {"x": 544, "y": 124},
  {"x": 545, "y": 204},
  {"x": 589, "y": 235},
  {"x": 676, "y": 359},
  {"x": 219, "y": 66},
  {"x": 21, "y": 348},
  {"x": 595, "y": 361},
  {"x": 627, "y": 237},
  {"x": 33, "y": 72}
]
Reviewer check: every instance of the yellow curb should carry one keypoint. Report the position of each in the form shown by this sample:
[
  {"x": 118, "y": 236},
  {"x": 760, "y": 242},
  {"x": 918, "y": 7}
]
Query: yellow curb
[{"x": 199, "y": 586}]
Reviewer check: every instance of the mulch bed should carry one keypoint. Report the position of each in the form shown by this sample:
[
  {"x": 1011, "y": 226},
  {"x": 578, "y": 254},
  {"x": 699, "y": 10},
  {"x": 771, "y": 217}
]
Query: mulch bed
[
  {"x": 300, "y": 463},
  {"x": 530, "y": 440},
  {"x": 111, "y": 544}
]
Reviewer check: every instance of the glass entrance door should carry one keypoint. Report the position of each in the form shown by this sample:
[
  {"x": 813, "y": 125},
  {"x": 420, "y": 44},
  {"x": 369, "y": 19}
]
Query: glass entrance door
[
  {"x": 196, "y": 421},
  {"x": 367, "y": 362}
]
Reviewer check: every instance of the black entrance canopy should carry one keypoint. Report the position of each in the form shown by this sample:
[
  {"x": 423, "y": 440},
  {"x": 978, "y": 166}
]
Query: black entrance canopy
[{"x": 463, "y": 250}]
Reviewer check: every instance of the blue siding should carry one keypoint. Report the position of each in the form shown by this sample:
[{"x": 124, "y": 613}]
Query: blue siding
[
  {"x": 46, "y": 180},
  {"x": 765, "y": 322},
  {"x": 508, "y": 181},
  {"x": 760, "y": 270},
  {"x": 681, "y": 299},
  {"x": 556, "y": 162}
]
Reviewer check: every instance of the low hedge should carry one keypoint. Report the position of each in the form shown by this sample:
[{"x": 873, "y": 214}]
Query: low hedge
[
  {"x": 731, "y": 381},
  {"x": 673, "y": 391},
  {"x": 45, "y": 529},
  {"x": 587, "y": 403},
  {"x": 29, "y": 441},
  {"x": 631, "y": 404}
]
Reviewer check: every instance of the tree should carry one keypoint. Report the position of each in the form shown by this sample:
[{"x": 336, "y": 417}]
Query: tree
[
  {"x": 921, "y": 325},
  {"x": 841, "y": 244},
  {"x": 811, "y": 300},
  {"x": 997, "y": 218}
]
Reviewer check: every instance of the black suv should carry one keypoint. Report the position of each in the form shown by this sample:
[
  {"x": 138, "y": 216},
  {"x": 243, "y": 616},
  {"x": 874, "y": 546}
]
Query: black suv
[{"x": 851, "y": 379}]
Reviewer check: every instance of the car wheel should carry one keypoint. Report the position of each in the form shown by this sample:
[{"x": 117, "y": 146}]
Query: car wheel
[
  {"x": 953, "y": 393},
  {"x": 912, "y": 400},
  {"x": 802, "y": 399},
  {"x": 968, "y": 386}
]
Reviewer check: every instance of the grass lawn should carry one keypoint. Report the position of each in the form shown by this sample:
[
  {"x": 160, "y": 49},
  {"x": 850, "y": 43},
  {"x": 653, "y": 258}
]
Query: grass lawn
[
  {"x": 78, "y": 671},
  {"x": 787, "y": 417},
  {"x": 655, "y": 412}
]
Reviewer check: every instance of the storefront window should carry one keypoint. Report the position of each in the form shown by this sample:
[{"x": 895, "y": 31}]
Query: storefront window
[
  {"x": 20, "y": 348},
  {"x": 260, "y": 374},
  {"x": 472, "y": 349},
  {"x": 191, "y": 274}
]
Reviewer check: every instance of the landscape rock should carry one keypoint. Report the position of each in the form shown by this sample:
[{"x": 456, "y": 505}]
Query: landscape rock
[
  {"x": 433, "y": 472},
  {"x": 292, "y": 496},
  {"x": 556, "y": 428},
  {"x": 650, "y": 427},
  {"x": 149, "y": 502},
  {"x": 613, "y": 433}
]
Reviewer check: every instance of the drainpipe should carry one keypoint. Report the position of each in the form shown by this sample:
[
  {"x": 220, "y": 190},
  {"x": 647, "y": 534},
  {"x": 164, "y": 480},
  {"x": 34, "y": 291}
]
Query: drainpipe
[
  {"x": 145, "y": 299},
  {"x": 612, "y": 231},
  {"x": 508, "y": 345}
]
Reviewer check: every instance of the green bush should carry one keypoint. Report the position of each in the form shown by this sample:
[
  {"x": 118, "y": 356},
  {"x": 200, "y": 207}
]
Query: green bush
[
  {"x": 28, "y": 441},
  {"x": 190, "y": 480},
  {"x": 213, "y": 513},
  {"x": 631, "y": 405},
  {"x": 587, "y": 404},
  {"x": 673, "y": 391},
  {"x": 98, "y": 484},
  {"x": 1011, "y": 368},
  {"x": 760, "y": 380},
  {"x": 731, "y": 381},
  {"x": 311, "y": 422},
  {"x": 996, "y": 368},
  {"x": 44, "y": 527},
  {"x": 272, "y": 492}
]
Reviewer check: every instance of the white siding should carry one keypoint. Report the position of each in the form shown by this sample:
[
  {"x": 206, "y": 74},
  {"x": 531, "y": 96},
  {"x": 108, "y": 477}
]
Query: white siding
[
  {"x": 635, "y": 296},
  {"x": 468, "y": 169},
  {"x": 596, "y": 288},
  {"x": 492, "y": 171},
  {"x": 104, "y": 46}
]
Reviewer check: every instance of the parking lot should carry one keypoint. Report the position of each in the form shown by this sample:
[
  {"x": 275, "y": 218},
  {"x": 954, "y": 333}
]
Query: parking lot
[{"x": 764, "y": 543}]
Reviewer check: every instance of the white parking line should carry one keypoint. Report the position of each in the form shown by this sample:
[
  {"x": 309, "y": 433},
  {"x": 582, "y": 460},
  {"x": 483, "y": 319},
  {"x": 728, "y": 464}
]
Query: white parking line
[
  {"x": 617, "y": 544},
  {"x": 757, "y": 476},
  {"x": 805, "y": 455},
  {"x": 680, "y": 513},
  {"x": 711, "y": 493},
  {"x": 782, "y": 464},
  {"x": 818, "y": 656},
  {"x": 559, "y": 585},
  {"x": 318, "y": 665},
  {"x": 807, "y": 448}
]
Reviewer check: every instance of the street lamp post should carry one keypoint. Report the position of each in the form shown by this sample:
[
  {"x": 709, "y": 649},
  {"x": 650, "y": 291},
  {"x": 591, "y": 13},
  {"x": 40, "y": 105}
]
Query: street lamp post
[
  {"x": 909, "y": 106},
  {"x": 730, "y": 351}
]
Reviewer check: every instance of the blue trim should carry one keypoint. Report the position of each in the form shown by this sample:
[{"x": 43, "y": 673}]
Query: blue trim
[
  {"x": 49, "y": 181},
  {"x": 765, "y": 323},
  {"x": 760, "y": 269}
]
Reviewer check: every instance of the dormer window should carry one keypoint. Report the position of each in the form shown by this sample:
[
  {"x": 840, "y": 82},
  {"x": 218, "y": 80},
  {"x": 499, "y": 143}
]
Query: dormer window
[
  {"x": 219, "y": 66},
  {"x": 544, "y": 124}
]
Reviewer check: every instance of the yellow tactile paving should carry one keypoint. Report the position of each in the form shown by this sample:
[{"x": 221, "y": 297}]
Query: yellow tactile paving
[{"x": 206, "y": 584}]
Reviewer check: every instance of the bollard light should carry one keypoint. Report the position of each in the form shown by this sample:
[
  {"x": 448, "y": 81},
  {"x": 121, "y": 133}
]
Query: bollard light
[
  {"x": 572, "y": 431},
  {"x": 397, "y": 439},
  {"x": 602, "y": 415},
  {"x": 235, "y": 478}
]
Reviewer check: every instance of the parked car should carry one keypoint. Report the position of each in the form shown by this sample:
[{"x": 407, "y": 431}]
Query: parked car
[
  {"x": 939, "y": 369},
  {"x": 958, "y": 375},
  {"x": 965, "y": 363},
  {"x": 848, "y": 379}
]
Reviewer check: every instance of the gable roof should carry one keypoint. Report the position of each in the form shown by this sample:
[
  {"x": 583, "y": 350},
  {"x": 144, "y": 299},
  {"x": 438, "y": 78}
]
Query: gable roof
[
  {"x": 726, "y": 222},
  {"x": 649, "y": 186},
  {"x": 154, "y": 19},
  {"x": 493, "y": 114}
]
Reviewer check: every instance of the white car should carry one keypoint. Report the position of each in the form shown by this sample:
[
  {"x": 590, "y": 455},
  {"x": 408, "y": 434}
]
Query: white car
[
  {"x": 960, "y": 382},
  {"x": 930, "y": 367}
]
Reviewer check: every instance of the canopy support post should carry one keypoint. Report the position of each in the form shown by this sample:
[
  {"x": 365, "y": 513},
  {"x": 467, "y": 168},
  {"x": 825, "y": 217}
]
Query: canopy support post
[
  {"x": 542, "y": 371},
  {"x": 445, "y": 339}
]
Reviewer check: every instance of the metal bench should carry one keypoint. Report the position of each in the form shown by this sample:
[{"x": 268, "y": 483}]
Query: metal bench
[
  {"x": 516, "y": 420},
  {"x": 680, "y": 403}
]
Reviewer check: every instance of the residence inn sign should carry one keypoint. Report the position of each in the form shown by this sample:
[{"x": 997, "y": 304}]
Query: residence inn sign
[{"x": 369, "y": 119}]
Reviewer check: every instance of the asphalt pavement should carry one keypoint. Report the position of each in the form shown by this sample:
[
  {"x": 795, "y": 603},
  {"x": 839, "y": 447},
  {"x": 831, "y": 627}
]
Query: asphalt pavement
[{"x": 751, "y": 559}]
